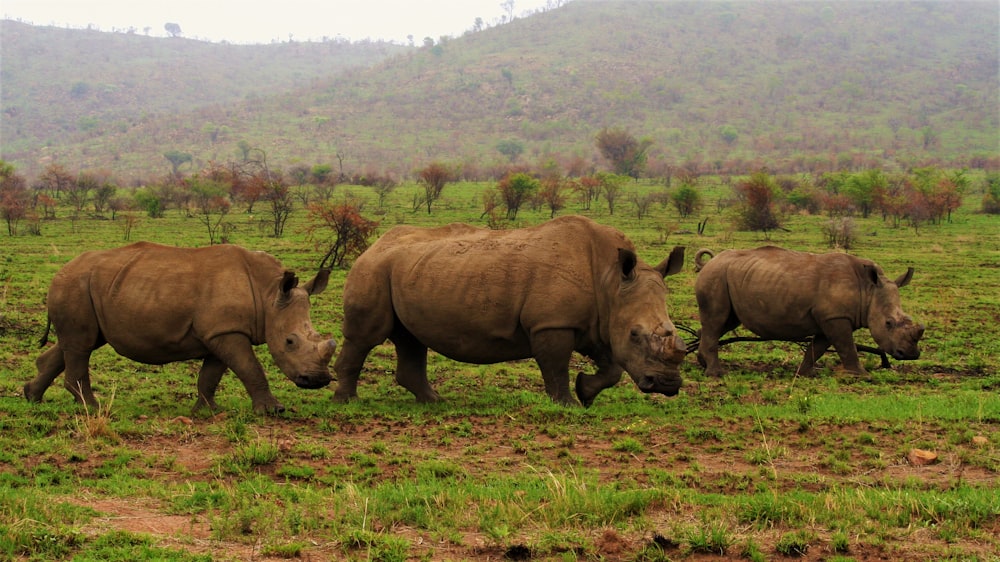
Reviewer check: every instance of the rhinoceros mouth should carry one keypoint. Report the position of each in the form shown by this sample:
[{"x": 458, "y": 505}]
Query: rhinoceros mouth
[
  {"x": 901, "y": 355},
  {"x": 314, "y": 381},
  {"x": 651, "y": 385}
]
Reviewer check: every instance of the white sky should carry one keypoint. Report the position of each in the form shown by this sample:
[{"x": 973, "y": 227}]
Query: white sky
[{"x": 265, "y": 21}]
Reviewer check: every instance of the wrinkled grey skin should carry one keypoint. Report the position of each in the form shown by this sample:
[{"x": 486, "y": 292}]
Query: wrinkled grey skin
[
  {"x": 786, "y": 295},
  {"x": 159, "y": 304},
  {"x": 486, "y": 296}
]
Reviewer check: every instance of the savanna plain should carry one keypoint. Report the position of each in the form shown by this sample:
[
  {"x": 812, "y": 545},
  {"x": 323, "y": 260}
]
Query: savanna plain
[{"x": 760, "y": 464}]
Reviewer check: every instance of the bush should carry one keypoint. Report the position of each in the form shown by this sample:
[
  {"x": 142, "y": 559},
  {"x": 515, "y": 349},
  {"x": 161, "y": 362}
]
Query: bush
[{"x": 991, "y": 200}]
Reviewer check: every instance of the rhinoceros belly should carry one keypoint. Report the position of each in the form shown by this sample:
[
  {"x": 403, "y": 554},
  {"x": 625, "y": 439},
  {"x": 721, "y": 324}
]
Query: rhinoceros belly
[{"x": 467, "y": 337}]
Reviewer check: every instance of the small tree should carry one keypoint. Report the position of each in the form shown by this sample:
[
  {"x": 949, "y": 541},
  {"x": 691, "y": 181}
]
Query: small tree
[
  {"x": 589, "y": 188},
  {"x": 612, "y": 186},
  {"x": 383, "y": 186},
  {"x": 434, "y": 177},
  {"x": 177, "y": 159},
  {"x": 212, "y": 200},
  {"x": 14, "y": 197},
  {"x": 103, "y": 196},
  {"x": 687, "y": 199},
  {"x": 626, "y": 153},
  {"x": 55, "y": 181},
  {"x": 512, "y": 149},
  {"x": 864, "y": 189},
  {"x": 758, "y": 208},
  {"x": 515, "y": 189},
  {"x": 79, "y": 192},
  {"x": 339, "y": 231},
  {"x": 553, "y": 193},
  {"x": 991, "y": 199}
]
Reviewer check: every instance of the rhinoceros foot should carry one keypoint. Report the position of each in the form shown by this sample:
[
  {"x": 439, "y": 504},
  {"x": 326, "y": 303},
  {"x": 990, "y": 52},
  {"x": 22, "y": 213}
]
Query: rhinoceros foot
[{"x": 30, "y": 395}]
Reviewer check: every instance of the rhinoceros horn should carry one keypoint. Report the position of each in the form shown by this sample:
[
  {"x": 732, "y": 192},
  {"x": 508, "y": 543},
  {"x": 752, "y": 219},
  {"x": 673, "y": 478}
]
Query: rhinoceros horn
[{"x": 670, "y": 348}]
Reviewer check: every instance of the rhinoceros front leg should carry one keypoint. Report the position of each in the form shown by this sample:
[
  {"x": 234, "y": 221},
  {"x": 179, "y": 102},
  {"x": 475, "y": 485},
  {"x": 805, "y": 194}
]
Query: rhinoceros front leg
[
  {"x": 840, "y": 332},
  {"x": 235, "y": 352},
  {"x": 552, "y": 350},
  {"x": 212, "y": 369},
  {"x": 50, "y": 365},
  {"x": 411, "y": 366},
  {"x": 589, "y": 386}
]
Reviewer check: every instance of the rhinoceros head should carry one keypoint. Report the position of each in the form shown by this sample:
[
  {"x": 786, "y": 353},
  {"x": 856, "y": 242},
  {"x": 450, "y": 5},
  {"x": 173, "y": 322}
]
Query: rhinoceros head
[
  {"x": 301, "y": 353},
  {"x": 892, "y": 329},
  {"x": 644, "y": 340}
]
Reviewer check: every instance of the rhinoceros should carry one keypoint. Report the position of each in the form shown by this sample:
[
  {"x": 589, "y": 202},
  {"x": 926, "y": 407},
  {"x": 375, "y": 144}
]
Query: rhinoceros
[
  {"x": 786, "y": 295},
  {"x": 158, "y": 304},
  {"x": 486, "y": 296}
]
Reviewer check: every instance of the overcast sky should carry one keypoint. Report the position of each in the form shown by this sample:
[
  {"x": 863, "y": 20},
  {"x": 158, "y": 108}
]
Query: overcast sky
[{"x": 265, "y": 21}]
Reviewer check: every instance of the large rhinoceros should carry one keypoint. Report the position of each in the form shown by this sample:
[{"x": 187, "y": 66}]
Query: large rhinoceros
[
  {"x": 486, "y": 296},
  {"x": 159, "y": 304},
  {"x": 785, "y": 295}
]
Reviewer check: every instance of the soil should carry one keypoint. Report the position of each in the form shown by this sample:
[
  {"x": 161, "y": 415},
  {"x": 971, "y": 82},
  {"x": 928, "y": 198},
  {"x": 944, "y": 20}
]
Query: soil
[{"x": 718, "y": 468}]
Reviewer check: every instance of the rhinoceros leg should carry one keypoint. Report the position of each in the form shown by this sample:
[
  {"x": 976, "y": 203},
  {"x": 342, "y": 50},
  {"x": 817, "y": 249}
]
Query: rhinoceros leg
[
  {"x": 813, "y": 352},
  {"x": 708, "y": 345},
  {"x": 589, "y": 386},
  {"x": 212, "y": 369},
  {"x": 235, "y": 352},
  {"x": 840, "y": 332},
  {"x": 411, "y": 366},
  {"x": 77, "y": 379},
  {"x": 348, "y": 366},
  {"x": 552, "y": 350},
  {"x": 50, "y": 365},
  {"x": 717, "y": 318}
]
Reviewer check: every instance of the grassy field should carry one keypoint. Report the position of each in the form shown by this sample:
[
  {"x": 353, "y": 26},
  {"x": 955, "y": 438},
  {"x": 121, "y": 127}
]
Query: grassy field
[{"x": 760, "y": 464}]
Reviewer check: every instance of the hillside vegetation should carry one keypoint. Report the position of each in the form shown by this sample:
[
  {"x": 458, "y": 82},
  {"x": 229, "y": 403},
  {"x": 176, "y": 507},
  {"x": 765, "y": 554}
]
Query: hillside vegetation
[{"x": 725, "y": 86}]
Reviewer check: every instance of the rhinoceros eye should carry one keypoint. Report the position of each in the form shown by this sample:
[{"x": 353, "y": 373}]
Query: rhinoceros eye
[
  {"x": 290, "y": 342},
  {"x": 635, "y": 333},
  {"x": 889, "y": 325}
]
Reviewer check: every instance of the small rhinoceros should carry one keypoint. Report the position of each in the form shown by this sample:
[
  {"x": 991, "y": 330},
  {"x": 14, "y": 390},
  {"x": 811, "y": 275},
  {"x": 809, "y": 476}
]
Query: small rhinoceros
[
  {"x": 486, "y": 296},
  {"x": 158, "y": 304},
  {"x": 785, "y": 295}
]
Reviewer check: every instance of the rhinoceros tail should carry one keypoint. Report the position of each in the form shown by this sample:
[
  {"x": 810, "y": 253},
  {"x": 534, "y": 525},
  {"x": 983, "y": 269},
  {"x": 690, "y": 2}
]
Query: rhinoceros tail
[
  {"x": 698, "y": 263},
  {"x": 45, "y": 336}
]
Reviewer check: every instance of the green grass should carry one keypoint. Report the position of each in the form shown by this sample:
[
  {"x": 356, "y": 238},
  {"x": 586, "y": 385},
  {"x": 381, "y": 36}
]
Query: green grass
[{"x": 759, "y": 464}]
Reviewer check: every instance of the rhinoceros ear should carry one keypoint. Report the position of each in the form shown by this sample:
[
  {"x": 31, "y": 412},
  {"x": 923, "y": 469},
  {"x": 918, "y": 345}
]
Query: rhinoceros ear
[
  {"x": 673, "y": 263},
  {"x": 627, "y": 261},
  {"x": 288, "y": 282},
  {"x": 904, "y": 279},
  {"x": 317, "y": 284},
  {"x": 871, "y": 274}
]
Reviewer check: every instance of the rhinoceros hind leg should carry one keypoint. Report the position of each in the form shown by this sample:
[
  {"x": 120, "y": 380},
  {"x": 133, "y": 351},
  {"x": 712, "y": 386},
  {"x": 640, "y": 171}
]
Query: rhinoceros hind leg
[
  {"x": 411, "y": 366},
  {"x": 552, "y": 350},
  {"x": 212, "y": 369},
  {"x": 812, "y": 353},
  {"x": 347, "y": 367},
  {"x": 50, "y": 365},
  {"x": 77, "y": 379}
]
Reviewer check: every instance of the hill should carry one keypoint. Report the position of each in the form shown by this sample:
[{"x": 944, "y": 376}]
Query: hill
[
  {"x": 722, "y": 86},
  {"x": 64, "y": 87}
]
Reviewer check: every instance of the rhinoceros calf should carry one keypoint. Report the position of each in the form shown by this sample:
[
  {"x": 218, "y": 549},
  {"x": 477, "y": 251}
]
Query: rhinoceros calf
[
  {"x": 485, "y": 296},
  {"x": 159, "y": 304},
  {"x": 785, "y": 295}
]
